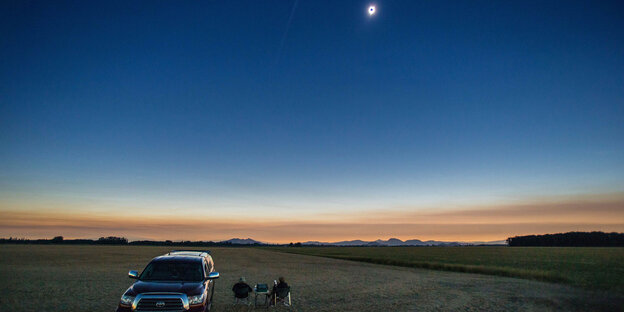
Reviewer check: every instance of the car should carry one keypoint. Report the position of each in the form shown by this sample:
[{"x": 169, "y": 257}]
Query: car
[{"x": 179, "y": 281}]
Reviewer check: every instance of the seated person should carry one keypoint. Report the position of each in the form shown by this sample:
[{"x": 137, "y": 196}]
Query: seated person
[
  {"x": 279, "y": 289},
  {"x": 241, "y": 289}
]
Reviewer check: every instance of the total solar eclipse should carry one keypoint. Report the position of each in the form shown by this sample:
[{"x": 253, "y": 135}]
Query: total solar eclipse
[{"x": 371, "y": 10}]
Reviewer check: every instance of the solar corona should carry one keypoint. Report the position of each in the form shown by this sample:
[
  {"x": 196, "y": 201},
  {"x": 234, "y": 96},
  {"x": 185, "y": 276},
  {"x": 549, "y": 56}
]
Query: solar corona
[{"x": 371, "y": 10}]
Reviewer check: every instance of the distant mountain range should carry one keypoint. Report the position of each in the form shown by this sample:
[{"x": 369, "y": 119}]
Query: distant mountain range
[
  {"x": 398, "y": 242},
  {"x": 240, "y": 241},
  {"x": 379, "y": 242}
]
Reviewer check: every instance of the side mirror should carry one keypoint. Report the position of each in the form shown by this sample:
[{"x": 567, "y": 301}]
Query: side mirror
[
  {"x": 213, "y": 275},
  {"x": 133, "y": 274}
]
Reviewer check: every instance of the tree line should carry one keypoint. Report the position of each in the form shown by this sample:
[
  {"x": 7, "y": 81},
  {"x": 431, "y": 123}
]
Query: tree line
[
  {"x": 114, "y": 240},
  {"x": 110, "y": 240},
  {"x": 570, "y": 239}
]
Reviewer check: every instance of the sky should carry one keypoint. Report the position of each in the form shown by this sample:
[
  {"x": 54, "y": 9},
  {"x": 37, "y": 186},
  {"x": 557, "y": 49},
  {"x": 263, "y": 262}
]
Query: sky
[{"x": 311, "y": 120}]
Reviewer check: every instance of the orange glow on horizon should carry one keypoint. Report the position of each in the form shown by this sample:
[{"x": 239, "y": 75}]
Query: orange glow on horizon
[{"x": 483, "y": 223}]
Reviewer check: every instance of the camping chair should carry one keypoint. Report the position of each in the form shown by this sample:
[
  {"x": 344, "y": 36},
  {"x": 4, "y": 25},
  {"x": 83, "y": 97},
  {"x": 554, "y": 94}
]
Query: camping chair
[
  {"x": 241, "y": 295},
  {"x": 282, "y": 294}
]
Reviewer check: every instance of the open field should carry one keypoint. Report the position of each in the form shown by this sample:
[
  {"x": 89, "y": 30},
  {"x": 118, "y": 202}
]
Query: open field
[
  {"x": 92, "y": 278},
  {"x": 590, "y": 268}
]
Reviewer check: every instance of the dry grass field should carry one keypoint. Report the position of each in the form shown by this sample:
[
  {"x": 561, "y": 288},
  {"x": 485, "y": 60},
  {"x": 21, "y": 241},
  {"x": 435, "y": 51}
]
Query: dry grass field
[
  {"x": 585, "y": 267},
  {"x": 92, "y": 278}
]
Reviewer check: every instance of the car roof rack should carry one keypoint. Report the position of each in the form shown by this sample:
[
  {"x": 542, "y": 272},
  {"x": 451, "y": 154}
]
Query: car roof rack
[{"x": 188, "y": 250}]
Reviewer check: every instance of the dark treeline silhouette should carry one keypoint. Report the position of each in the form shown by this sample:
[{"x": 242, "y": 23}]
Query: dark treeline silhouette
[
  {"x": 113, "y": 240},
  {"x": 570, "y": 239}
]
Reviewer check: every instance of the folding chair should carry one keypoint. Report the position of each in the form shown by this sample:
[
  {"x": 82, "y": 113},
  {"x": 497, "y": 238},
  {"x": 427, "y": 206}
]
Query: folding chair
[
  {"x": 282, "y": 294},
  {"x": 244, "y": 301},
  {"x": 241, "y": 295}
]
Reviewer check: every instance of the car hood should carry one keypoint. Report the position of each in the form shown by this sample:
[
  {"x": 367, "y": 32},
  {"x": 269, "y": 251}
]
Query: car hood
[{"x": 188, "y": 288}]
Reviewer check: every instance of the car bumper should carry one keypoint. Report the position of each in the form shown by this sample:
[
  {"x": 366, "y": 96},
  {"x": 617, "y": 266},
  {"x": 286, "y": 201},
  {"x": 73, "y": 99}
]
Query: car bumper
[
  {"x": 123, "y": 309},
  {"x": 200, "y": 308}
]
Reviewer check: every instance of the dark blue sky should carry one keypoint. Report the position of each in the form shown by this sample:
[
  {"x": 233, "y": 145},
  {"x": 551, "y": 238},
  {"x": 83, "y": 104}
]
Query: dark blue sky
[{"x": 225, "y": 103}]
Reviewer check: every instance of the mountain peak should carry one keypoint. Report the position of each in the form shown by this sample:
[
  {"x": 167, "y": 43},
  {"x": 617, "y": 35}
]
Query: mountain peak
[{"x": 239, "y": 241}]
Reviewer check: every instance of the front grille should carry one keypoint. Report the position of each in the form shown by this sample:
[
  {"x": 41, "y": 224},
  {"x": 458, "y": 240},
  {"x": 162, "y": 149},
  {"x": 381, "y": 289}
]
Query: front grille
[{"x": 160, "y": 304}]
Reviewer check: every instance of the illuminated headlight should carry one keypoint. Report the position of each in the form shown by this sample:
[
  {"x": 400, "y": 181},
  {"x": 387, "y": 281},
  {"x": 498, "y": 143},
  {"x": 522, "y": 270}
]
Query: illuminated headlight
[
  {"x": 126, "y": 300},
  {"x": 199, "y": 299}
]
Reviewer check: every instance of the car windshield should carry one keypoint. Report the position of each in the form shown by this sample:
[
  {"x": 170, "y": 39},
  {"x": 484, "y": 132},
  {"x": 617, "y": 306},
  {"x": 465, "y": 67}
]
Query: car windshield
[{"x": 173, "y": 271}]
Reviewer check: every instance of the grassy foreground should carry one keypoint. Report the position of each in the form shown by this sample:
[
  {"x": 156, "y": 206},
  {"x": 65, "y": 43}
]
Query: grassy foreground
[
  {"x": 591, "y": 268},
  {"x": 92, "y": 278}
]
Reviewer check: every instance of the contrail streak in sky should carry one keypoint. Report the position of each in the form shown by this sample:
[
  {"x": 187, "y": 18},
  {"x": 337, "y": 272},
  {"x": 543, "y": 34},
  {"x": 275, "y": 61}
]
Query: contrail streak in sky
[{"x": 290, "y": 18}]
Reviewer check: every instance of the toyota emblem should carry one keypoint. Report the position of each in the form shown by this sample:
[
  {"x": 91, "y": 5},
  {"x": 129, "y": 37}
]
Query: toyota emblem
[{"x": 160, "y": 304}]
